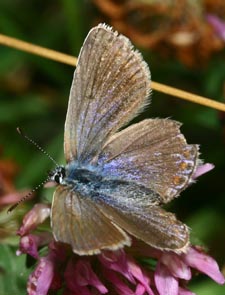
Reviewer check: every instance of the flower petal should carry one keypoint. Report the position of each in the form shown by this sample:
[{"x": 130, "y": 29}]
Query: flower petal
[
  {"x": 33, "y": 218},
  {"x": 86, "y": 276},
  {"x": 140, "y": 290},
  {"x": 121, "y": 287},
  {"x": 176, "y": 265},
  {"x": 29, "y": 245},
  {"x": 79, "y": 275},
  {"x": 41, "y": 278},
  {"x": 117, "y": 261},
  {"x": 139, "y": 275},
  {"x": 202, "y": 169},
  {"x": 166, "y": 284},
  {"x": 204, "y": 263}
]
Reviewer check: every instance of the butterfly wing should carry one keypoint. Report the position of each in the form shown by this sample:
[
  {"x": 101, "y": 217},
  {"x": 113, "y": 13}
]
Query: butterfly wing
[
  {"x": 153, "y": 225},
  {"x": 110, "y": 85},
  {"x": 79, "y": 222},
  {"x": 134, "y": 208},
  {"x": 152, "y": 153}
]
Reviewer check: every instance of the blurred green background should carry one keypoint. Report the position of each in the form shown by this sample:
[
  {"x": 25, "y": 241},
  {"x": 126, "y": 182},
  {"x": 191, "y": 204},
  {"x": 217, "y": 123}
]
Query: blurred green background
[{"x": 34, "y": 93}]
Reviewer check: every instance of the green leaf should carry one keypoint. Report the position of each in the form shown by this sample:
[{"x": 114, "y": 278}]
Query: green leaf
[{"x": 13, "y": 273}]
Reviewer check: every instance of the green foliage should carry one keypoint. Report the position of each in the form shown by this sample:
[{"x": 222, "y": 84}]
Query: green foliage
[{"x": 13, "y": 273}]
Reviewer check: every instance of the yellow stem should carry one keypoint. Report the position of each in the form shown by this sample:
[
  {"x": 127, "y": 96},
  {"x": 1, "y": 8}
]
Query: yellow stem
[
  {"x": 38, "y": 50},
  {"x": 188, "y": 96},
  {"x": 70, "y": 60}
]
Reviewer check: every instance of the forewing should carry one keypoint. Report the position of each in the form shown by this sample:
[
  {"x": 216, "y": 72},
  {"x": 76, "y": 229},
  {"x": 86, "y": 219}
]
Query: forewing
[
  {"x": 152, "y": 153},
  {"x": 110, "y": 85},
  {"x": 78, "y": 221}
]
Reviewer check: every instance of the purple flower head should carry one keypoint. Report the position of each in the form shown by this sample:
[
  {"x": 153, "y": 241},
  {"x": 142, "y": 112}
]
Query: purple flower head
[
  {"x": 111, "y": 272},
  {"x": 116, "y": 272}
]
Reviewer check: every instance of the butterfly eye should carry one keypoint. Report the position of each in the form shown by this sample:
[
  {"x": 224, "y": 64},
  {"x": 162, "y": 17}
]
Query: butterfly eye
[
  {"x": 58, "y": 174},
  {"x": 57, "y": 178}
]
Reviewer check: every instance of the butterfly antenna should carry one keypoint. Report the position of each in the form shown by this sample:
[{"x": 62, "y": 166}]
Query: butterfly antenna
[
  {"x": 36, "y": 145},
  {"x": 28, "y": 195}
]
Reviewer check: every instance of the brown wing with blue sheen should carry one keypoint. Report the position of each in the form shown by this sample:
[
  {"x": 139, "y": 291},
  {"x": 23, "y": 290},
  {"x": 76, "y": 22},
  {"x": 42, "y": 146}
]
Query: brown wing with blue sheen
[
  {"x": 77, "y": 221},
  {"x": 110, "y": 86},
  {"x": 152, "y": 153},
  {"x": 153, "y": 225},
  {"x": 135, "y": 209}
]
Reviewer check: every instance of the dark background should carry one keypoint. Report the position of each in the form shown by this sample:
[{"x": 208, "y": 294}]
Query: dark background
[{"x": 34, "y": 93}]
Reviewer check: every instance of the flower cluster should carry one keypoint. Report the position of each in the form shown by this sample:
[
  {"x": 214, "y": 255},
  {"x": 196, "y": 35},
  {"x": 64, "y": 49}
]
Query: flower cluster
[{"x": 110, "y": 272}]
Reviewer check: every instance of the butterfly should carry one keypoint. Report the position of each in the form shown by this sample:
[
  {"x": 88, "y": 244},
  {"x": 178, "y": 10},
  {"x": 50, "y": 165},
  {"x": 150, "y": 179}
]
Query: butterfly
[{"x": 116, "y": 180}]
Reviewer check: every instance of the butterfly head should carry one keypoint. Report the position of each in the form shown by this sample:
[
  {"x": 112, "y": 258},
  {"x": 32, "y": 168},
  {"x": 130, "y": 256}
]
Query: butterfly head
[{"x": 57, "y": 175}]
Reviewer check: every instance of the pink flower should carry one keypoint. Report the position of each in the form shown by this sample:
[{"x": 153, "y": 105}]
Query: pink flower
[
  {"x": 197, "y": 259},
  {"x": 202, "y": 169},
  {"x": 178, "y": 268},
  {"x": 172, "y": 269},
  {"x": 217, "y": 24},
  {"x": 79, "y": 277},
  {"x": 116, "y": 261},
  {"x": 142, "y": 278},
  {"x": 47, "y": 274},
  {"x": 116, "y": 272},
  {"x": 111, "y": 272},
  {"x": 40, "y": 280},
  {"x": 29, "y": 244},
  {"x": 119, "y": 262},
  {"x": 33, "y": 218},
  {"x": 165, "y": 282}
]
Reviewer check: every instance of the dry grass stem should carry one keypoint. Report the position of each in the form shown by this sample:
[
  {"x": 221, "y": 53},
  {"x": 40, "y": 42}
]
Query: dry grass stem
[{"x": 70, "y": 60}]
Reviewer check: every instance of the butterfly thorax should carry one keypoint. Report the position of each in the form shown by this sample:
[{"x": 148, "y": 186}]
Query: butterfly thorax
[
  {"x": 82, "y": 178},
  {"x": 74, "y": 175},
  {"x": 88, "y": 181}
]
